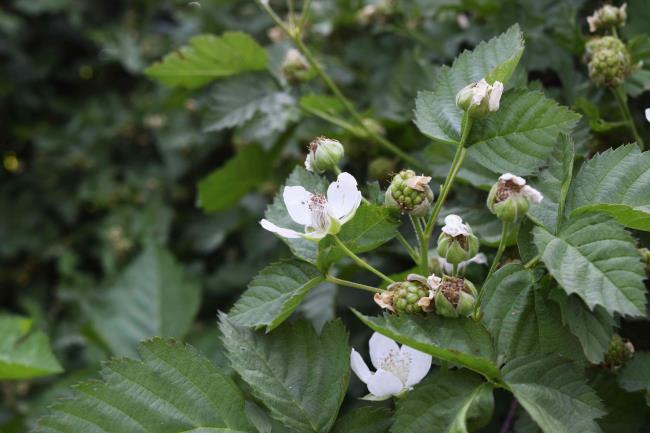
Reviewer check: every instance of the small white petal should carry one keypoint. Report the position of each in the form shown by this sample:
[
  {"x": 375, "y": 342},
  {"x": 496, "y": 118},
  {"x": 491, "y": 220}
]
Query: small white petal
[
  {"x": 420, "y": 364},
  {"x": 532, "y": 194},
  {"x": 308, "y": 163},
  {"x": 454, "y": 226},
  {"x": 343, "y": 197},
  {"x": 381, "y": 347},
  {"x": 384, "y": 383},
  {"x": 433, "y": 281},
  {"x": 495, "y": 96},
  {"x": 512, "y": 178},
  {"x": 359, "y": 367},
  {"x": 647, "y": 114},
  {"x": 480, "y": 259},
  {"x": 296, "y": 199},
  {"x": 480, "y": 91},
  {"x": 285, "y": 233}
]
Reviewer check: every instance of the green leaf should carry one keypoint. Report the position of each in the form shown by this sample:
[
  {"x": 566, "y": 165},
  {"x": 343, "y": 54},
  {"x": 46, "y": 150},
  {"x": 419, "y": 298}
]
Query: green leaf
[
  {"x": 626, "y": 412},
  {"x": 371, "y": 227},
  {"x": 278, "y": 215},
  {"x": 252, "y": 101},
  {"x": 462, "y": 341},
  {"x": 152, "y": 297},
  {"x": 615, "y": 182},
  {"x": 520, "y": 318},
  {"x": 24, "y": 353},
  {"x": 300, "y": 377},
  {"x": 436, "y": 113},
  {"x": 635, "y": 375},
  {"x": 319, "y": 305},
  {"x": 521, "y": 136},
  {"x": 594, "y": 257},
  {"x": 554, "y": 393},
  {"x": 207, "y": 58},
  {"x": 364, "y": 420},
  {"x": 553, "y": 182},
  {"x": 593, "y": 329},
  {"x": 439, "y": 157},
  {"x": 448, "y": 402},
  {"x": 275, "y": 293},
  {"x": 172, "y": 389},
  {"x": 226, "y": 185}
]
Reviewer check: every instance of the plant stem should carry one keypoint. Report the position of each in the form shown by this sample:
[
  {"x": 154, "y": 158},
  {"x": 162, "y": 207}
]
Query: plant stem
[
  {"x": 454, "y": 269},
  {"x": 502, "y": 246},
  {"x": 510, "y": 417},
  {"x": 340, "y": 282},
  {"x": 621, "y": 98},
  {"x": 408, "y": 247},
  {"x": 424, "y": 246},
  {"x": 533, "y": 262},
  {"x": 359, "y": 261},
  {"x": 297, "y": 40}
]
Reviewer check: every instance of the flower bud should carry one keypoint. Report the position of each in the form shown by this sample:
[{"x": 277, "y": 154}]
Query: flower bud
[
  {"x": 451, "y": 296},
  {"x": 295, "y": 67},
  {"x": 619, "y": 352},
  {"x": 456, "y": 242},
  {"x": 608, "y": 61},
  {"x": 324, "y": 154},
  {"x": 509, "y": 198},
  {"x": 409, "y": 193},
  {"x": 403, "y": 297},
  {"x": 607, "y": 17},
  {"x": 480, "y": 99},
  {"x": 645, "y": 256}
]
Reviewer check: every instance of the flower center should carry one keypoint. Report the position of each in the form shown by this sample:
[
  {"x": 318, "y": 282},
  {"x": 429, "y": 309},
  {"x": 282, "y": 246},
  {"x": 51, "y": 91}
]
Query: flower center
[
  {"x": 451, "y": 289},
  {"x": 507, "y": 188},
  {"x": 397, "y": 364},
  {"x": 319, "y": 216}
]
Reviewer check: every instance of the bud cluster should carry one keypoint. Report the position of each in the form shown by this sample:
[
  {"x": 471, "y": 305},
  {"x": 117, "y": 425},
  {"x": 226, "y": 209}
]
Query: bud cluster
[
  {"x": 509, "y": 198},
  {"x": 607, "y": 17},
  {"x": 480, "y": 99},
  {"x": 619, "y": 352},
  {"x": 608, "y": 61},
  {"x": 410, "y": 193}
]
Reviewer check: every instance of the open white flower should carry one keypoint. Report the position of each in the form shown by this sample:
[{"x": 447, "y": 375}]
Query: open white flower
[
  {"x": 321, "y": 215},
  {"x": 398, "y": 369}
]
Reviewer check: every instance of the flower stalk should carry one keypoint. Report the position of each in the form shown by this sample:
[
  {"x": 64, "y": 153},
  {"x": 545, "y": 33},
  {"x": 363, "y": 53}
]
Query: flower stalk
[
  {"x": 359, "y": 261},
  {"x": 295, "y": 34},
  {"x": 621, "y": 99},
  {"x": 352, "y": 284}
]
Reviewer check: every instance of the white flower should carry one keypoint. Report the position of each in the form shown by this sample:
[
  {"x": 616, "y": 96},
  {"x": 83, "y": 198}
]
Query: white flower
[
  {"x": 319, "y": 214},
  {"x": 647, "y": 114},
  {"x": 527, "y": 191},
  {"x": 454, "y": 226},
  {"x": 398, "y": 369},
  {"x": 448, "y": 268},
  {"x": 480, "y": 98}
]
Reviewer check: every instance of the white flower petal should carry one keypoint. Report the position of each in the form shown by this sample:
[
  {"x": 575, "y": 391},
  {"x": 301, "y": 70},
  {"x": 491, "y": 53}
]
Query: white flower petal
[
  {"x": 384, "y": 383},
  {"x": 512, "y": 178},
  {"x": 285, "y": 233},
  {"x": 433, "y": 281},
  {"x": 343, "y": 197},
  {"x": 532, "y": 194},
  {"x": 296, "y": 199},
  {"x": 359, "y": 367},
  {"x": 480, "y": 91},
  {"x": 420, "y": 364},
  {"x": 495, "y": 96},
  {"x": 480, "y": 259},
  {"x": 454, "y": 226},
  {"x": 308, "y": 162},
  {"x": 381, "y": 347},
  {"x": 647, "y": 114}
]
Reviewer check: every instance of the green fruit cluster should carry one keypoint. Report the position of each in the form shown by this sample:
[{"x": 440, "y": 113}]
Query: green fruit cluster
[
  {"x": 406, "y": 295},
  {"x": 407, "y": 199},
  {"x": 609, "y": 61}
]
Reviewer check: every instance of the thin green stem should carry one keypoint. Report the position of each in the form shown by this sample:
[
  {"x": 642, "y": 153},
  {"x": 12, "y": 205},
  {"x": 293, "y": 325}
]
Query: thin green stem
[
  {"x": 359, "y": 261},
  {"x": 454, "y": 269},
  {"x": 621, "y": 98},
  {"x": 505, "y": 231},
  {"x": 532, "y": 262},
  {"x": 295, "y": 35},
  {"x": 346, "y": 283},
  {"x": 407, "y": 246},
  {"x": 304, "y": 14},
  {"x": 424, "y": 246}
]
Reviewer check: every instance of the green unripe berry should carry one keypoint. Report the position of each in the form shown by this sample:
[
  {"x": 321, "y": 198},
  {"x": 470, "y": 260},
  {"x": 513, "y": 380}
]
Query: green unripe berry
[
  {"x": 409, "y": 193},
  {"x": 608, "y": 60},
  {"x": 618, "y": 353}
]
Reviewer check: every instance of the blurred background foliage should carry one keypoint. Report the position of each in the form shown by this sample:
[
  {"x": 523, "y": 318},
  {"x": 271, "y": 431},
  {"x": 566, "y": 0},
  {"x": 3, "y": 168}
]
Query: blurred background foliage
[{"x": 102, "y": 240}]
